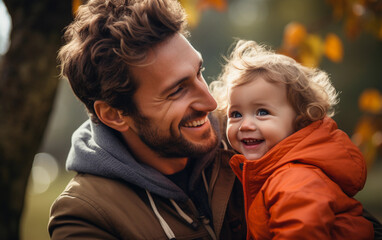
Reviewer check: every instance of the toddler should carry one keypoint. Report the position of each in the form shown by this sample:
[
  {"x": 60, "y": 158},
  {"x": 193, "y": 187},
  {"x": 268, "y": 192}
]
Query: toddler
[{"x": 299, "y": 171}]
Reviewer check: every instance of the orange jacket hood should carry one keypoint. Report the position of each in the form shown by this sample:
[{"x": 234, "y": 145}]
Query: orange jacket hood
[{"x": 320, "y": 144}]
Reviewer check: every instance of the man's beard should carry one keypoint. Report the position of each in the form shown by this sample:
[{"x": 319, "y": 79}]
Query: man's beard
[{"x": 173, "y": 145}]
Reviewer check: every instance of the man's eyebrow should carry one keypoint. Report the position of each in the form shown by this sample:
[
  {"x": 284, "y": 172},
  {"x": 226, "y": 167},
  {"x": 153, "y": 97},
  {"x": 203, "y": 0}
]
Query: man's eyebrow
[
  {"x": 172, "y": 86},
  {"x": 180, "y": 81}
]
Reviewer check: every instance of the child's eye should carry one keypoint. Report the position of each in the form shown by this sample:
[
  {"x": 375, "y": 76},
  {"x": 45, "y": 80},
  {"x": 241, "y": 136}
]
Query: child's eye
[
  {"x": 235, "y": 114},
  {"x": 262, "y": 112}
]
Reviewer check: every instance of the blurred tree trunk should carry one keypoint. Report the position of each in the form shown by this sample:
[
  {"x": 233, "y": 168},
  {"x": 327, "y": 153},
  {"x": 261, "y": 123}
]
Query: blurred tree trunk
[{"x": 28, "y": 82}]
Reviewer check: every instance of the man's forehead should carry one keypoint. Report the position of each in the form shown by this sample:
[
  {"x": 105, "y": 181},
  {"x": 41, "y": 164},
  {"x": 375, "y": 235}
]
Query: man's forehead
[{"x": 168, "y": 62}]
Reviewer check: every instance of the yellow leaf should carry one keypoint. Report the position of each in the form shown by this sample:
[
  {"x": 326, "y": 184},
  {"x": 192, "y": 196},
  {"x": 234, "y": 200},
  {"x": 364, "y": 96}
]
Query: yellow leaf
[
  {"x": 363, "y": 137},
  {"x": 307, "y": 59},
  {"x": 369, "y": 151},
  {"x": 370, "y": 101},
  {"x": 333, "y": 47},
  {"x": 220, "y": 5},
  {"x": 379, "y": 31},
  {"x": 311, "y": 51},
  {"x": 193, "y": 13},
  {"x": 364, "y": 130},
  {"x": 294, "y": 34}
]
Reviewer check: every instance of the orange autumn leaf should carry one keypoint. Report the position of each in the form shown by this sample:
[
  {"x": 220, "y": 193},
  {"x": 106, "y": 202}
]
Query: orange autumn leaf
[
  {"x": 294, "y": 34},
  {"x": 370, "y": 101},
  {"x": 287, "y": 52},
  {"x": 333, "y": 48},
  {"x": 353, "y": 27},
  {"x": 366, "y": 137},
  {"x": 219, "y": 5},
  {"x": 339, "y": 7},
  {"x": 75, "y": 5},
  {"x": 363, "y": 131}
]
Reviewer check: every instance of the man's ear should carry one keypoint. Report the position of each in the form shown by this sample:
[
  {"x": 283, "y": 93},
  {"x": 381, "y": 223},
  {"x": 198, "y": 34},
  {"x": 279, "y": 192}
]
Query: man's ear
[{"x": 111, "y": 117}]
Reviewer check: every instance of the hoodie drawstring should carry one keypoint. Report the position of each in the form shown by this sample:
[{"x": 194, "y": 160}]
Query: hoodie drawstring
[
  {"x": 209, "y": 229},
  {"x": 206, "y": 221},
  {"x": 225, "y": 147},
  {"x": 183, "y": 214},
  {"x": 167, "y": 230},
  {"x": 205, "y": 180}
]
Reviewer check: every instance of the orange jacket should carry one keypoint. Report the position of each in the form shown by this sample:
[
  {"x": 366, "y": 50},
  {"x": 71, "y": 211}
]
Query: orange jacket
[{"x": 303, "y": 187}]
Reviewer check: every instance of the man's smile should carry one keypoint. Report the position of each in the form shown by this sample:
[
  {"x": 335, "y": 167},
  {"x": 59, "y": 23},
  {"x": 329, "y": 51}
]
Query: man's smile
[{"x": 196, "y": 123}]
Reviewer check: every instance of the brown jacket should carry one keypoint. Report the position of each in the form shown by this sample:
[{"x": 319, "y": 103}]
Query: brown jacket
[{"x": 93, "y": 207}]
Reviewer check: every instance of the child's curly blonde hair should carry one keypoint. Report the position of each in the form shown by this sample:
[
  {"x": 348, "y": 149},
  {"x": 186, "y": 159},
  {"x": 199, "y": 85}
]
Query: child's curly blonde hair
[{"x": 309, "y": 90}]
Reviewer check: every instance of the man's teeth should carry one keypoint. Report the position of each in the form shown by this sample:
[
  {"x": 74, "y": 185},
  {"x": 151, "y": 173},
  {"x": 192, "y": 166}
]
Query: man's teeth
[{"x": 196, "y": 123}]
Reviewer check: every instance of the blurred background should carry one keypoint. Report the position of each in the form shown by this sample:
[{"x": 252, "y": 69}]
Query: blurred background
[{"x": 342, "y": 37}]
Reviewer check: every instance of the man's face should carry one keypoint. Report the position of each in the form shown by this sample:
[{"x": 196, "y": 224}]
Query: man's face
[{"x": 173, "y": 101}]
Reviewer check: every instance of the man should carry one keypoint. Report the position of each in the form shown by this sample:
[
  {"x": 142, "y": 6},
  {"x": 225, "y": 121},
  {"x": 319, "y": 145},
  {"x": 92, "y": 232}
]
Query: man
[{"x": 149, "y": 163}]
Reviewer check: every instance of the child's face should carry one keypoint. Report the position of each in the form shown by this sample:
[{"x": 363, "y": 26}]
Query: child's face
[{"x": 259, "y": 116}]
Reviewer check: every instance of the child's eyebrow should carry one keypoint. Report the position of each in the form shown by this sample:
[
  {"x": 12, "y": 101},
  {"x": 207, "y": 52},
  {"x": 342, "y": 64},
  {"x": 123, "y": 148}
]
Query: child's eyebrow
[{"x": 229, "y": 106}]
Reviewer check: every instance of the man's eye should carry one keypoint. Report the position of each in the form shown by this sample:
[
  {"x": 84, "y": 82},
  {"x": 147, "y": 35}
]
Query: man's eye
[
  {"x": 262, "y": 112},
  {"x": 178, "y": 90},
  {"x": 235, "y": 114}
]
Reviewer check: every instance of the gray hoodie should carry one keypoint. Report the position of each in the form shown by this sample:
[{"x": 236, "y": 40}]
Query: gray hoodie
[{"x": 97, "y": 149}]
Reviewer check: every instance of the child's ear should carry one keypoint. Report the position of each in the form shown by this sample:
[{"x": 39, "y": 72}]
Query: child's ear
[{"x": 111, "y": 117}]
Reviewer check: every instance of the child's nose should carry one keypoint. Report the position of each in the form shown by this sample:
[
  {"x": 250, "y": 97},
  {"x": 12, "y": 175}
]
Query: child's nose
[{"x": 247, "y": 124}]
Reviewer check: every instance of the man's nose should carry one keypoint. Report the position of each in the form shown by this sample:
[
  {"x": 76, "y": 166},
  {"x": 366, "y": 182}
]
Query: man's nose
[{"x": 205, "y": 102}]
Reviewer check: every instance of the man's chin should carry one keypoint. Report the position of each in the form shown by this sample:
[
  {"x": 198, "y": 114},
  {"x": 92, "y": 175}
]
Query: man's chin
[{"x": 205, "y": 145}]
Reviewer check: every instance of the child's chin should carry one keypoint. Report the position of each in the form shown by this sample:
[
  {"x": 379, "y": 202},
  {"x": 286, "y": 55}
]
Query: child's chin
[{"x": 252, "y": 156}]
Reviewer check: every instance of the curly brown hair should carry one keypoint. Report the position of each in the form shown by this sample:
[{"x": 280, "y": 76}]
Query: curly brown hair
[
  {"x": 106, "y": 38},
  {"x": 309, "y": 90}
]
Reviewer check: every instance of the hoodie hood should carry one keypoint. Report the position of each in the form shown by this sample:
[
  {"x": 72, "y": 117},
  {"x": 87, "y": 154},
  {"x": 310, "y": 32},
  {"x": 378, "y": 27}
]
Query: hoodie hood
[
  {"x": 320, "y": 144},
  {"x": 96, "y": 149}
]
